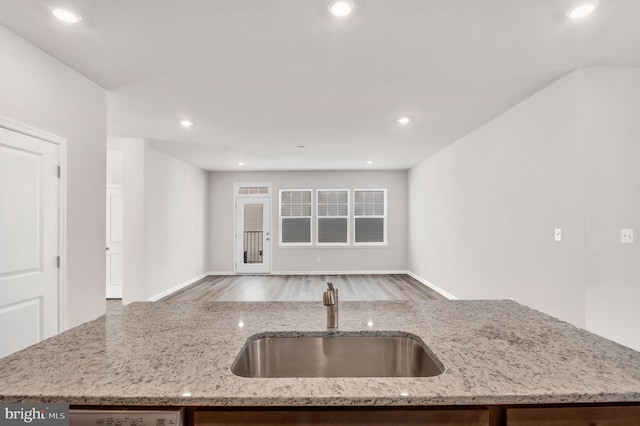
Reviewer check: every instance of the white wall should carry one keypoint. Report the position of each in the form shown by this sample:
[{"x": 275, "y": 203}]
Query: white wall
[
  {"x": 41, "y": 92},
  {"x": 304, "y": 259},
  {"x": 114, "y": 168},
  {"x": 134, "y": 287},
  {"x": 165, "y": 202},
  {"x": 612, "y": 201},
  {"x": 175, "y": 221},
  {"x": 483, "y": 210}
]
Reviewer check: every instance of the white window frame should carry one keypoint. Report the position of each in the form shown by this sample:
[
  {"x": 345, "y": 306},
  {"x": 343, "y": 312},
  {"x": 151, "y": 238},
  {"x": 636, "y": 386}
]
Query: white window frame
[
  {"x": 348, "y": 217},
  {"x": 311, "y": 218},
  {"x": 384, "y": 243},
  {"x": 238, "y": 185}
]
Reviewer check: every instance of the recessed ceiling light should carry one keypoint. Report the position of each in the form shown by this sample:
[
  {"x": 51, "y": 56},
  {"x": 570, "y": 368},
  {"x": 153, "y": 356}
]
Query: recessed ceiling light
[
  {"x": 66, "y": 16},
  {"x": 240, "y": 163},
  {"x": 341, "y": 8},
  {"x": 582, "y": 11},
  {"x": 186, "y": 123},
  {"x": 369, "y": 162},
  {"x": 404, "y": 120}
]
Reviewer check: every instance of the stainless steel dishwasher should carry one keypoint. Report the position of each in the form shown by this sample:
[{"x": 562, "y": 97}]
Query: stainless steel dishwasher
[{"x": 125, "y": 417}]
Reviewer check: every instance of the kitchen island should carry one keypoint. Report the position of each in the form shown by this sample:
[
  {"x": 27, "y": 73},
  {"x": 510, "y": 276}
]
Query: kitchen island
[{"x": 496, "y": 354}]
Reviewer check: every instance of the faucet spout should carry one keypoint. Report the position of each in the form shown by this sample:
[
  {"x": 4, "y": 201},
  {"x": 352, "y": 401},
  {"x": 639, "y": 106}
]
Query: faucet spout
[{"x": 330, "y": 300}]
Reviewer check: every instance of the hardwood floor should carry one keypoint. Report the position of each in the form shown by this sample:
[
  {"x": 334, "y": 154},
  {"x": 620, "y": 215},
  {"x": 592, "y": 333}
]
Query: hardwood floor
[
  {"x": 252, "y": 288},
  {"x": 113, "y": 304}
]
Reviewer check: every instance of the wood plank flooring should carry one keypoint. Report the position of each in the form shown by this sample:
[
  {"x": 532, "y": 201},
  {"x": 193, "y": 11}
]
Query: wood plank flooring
[
  {"x": 113, "y": 304},
  {"x": 259, "y": 288}
]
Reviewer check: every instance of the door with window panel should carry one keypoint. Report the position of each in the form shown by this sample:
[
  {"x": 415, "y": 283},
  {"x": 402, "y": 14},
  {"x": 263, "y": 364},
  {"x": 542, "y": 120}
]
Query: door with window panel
[{"x": 253, "y": 235}]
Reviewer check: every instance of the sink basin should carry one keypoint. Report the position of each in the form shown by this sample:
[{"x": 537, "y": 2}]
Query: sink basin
[{"x": 344, "y": 354}]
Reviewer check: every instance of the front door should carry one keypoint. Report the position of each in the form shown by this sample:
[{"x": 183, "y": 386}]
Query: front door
[
  {"x": 253, "y": 235},
  {"x": 114, "y": 243},
  {"x": 29, "y": 248}
]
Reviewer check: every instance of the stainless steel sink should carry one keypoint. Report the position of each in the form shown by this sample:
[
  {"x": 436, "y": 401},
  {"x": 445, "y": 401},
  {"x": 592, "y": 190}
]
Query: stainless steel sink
[{"x": 344, "y": 354}]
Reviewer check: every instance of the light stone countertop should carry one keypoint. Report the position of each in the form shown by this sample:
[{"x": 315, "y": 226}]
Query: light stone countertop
[{"x": 495, "y": 352}]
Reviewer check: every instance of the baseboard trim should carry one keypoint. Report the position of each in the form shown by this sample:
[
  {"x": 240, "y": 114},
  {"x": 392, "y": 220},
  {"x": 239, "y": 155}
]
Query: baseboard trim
[
  {"x": 386, "y": 272},
  {"x": 432, "y": 286},
  {"x": 178, "y": 287},
  {"x": 219, "y": 273}
]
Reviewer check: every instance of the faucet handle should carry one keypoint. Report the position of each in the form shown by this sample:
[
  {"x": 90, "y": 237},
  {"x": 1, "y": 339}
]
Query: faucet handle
[{"x": 328, "y": 298}]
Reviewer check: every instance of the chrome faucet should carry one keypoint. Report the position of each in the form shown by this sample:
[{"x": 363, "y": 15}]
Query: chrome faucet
[{"x": 330, "y": 300}]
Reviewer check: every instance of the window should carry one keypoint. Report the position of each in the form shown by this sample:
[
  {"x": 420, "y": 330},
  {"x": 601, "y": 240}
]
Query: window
[
  {"x": 295, "y": 216},
  {"x": 333, "y": 221},
  {"x": 252, "y": 189},
  {"x": 333, "y": 216},
  {"x": 370, "y": 216}
]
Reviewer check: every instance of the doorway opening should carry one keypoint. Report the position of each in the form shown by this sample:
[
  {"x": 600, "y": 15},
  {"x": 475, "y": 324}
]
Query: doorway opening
[{"x": 115, "y": 225}]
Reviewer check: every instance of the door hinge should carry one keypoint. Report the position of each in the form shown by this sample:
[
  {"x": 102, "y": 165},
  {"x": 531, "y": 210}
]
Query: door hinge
[
  {"x": 59, "y": 172},
  {"x": 58, "y": 261}
]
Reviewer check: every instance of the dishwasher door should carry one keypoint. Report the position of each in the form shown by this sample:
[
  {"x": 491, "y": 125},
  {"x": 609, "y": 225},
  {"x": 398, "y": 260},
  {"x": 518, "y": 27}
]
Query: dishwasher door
[{"x": 125, "y": 417}]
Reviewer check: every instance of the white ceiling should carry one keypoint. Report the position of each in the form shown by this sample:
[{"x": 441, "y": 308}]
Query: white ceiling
[{"x": 260, "y": 77}]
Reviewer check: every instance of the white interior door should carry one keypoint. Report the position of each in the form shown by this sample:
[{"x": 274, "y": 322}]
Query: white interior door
[
  {"x": 29, "y": 226},
  {"x": 114, "y": 243},
  {"x": 253, "y": 235}
]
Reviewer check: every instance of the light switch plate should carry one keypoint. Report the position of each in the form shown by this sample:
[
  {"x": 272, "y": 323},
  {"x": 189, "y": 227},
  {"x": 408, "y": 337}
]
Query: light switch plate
[
  {"x": 626, "y": 235},
  {"x": 557, "y": 234}
]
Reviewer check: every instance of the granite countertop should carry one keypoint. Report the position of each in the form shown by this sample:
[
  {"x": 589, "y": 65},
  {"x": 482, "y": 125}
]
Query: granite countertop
[{"x": 179, "y": 353}]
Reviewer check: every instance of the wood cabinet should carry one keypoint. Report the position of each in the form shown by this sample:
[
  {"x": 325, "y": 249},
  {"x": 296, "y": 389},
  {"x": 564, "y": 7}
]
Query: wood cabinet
[
  {"x": 596, "y": 415},
  {"x": 574, "y": 416},
  {"x": 337, "y": 417}
]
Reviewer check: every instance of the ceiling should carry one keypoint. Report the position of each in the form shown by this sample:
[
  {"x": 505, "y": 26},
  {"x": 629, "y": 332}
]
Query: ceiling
[{"x": 282, "y": 85}]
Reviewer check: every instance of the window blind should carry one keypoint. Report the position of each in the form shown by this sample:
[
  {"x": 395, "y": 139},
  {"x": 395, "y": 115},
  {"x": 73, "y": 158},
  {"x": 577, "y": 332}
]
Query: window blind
[
  {"x": 295, "y": 216},
  {"x": 370, "y": 216},
  {"x": 333, "y": 216}
]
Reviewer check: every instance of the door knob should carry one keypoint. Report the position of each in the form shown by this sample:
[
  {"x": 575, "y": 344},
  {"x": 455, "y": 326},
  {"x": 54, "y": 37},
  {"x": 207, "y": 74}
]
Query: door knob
[{"x": 107, "y": 248}]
